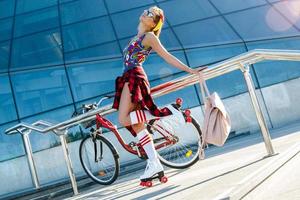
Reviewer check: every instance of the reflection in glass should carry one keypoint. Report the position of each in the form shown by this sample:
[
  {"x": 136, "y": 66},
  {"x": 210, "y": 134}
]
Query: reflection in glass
[
  {"x": 87, "y": 34},
  {"x": 8, "y": 110},
  {"x": 291, "y": 10},
  {"x": 273, "y": 72},
  {"x": 202, "y": 56},
  {"x": 107, "y": 50},
  {"x": 36, "y": 21},
  {"x": 40, "y": 49},
  {"x": 7, "y": 8},
  {"x": 117, "y": 5},
  {"x": 155, "y": 66},
  {"x": 11, "y": 145},
  {"x": 40, "y": 90},
  {"x": 94, "y": 78},
  {"x": 207, "y": 32},
  {"x": 4, "y": 56},
  {"x": 176, "y": 11},
  {"x": 30, "y": 5},
  {"x": 5, "y": 29},
  {"x": 226, "y": 6},
  {"x": 271, "y": 24},
  {"x": 81, "y": 10}
]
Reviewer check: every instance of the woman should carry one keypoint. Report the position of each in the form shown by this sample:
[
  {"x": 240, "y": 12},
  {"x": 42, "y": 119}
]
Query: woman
[{"x": 132, "y": 98}]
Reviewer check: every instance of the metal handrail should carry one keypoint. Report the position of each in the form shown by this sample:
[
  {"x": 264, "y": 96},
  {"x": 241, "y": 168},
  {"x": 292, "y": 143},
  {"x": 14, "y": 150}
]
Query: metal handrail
[
  {"x": 215, "y": 70},
  {"x": 241, "y": 62}
]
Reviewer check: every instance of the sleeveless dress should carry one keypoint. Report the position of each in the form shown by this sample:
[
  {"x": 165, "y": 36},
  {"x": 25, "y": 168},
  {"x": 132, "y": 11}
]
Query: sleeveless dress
[{"x": 133, "y": 57}]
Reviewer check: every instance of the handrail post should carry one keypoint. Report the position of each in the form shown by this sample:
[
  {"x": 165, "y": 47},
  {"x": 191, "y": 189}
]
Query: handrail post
[
  {"x": 258, "y": 112},
  {"x": 69, "y": 163},
  {"x": 29, "y": 155}
]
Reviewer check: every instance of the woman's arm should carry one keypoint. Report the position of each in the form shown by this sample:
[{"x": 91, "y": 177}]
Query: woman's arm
[{"x": 153, "y": 41}]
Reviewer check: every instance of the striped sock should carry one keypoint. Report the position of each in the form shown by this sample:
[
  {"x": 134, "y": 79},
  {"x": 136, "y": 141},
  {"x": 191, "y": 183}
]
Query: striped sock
[{"x": 147, "y": 144}]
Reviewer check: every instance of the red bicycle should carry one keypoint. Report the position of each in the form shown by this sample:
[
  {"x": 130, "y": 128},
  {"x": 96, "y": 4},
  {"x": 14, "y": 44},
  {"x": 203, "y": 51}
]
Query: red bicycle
[{"x": 177, "y": 146}]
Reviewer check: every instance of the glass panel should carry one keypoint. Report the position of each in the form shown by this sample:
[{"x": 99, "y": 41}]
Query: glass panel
[
  {"x": 81, "y": 10},
  {"x": 188, "y": 94},
  {"x": 176, "y": 11},
  {"x": 36, "y": 21},
  {"x": 103, "y": 51},
  {"x": 226, "y": 6},
  {"x": 126, "y": 23},
  {"x": 290, "y": 9},
  {"x": 169, "y": 40},
  {"x": 38, "y": 49},
  {"x": 7, "y": 8},
  {"x": 65, "y": 1},
  {"x": 40, "y": 141},
  {"x": 272, "y": 72},
  {"x": 271, "y": 24},
  {"x": 11, "y": 145},
  {"x": 155, "y": 67},
  {"x": 208, "y": 55},
  {"x": 207, "y": 32},
  {"x": 94, "y": 78},
  {"x": 87, "y": 33},
  {"x": 8, "y": 110},
  {"x": 4, "y": 56},
  {"x": 30, "y": 5},
  {"x": 40, "y": 90},
  {"x": 227, "y": 85},
  {"x": 273, "y": 1},
  {"x": 5, "y": 29},
  {"x": 117, "y": 5}
]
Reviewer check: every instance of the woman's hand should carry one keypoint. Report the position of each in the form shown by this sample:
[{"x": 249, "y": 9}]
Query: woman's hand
[{"x": 196, "y": 71}]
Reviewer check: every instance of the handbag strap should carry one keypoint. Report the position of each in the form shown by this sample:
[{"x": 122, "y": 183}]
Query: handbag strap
[{"x": 203, "y": 87}]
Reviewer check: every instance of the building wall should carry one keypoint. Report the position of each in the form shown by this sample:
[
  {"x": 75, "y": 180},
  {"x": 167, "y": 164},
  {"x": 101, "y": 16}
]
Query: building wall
[{"x": 58, "y": 54}]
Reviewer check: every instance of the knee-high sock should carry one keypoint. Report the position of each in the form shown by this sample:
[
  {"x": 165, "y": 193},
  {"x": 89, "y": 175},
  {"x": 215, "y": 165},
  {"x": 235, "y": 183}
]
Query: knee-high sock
[
  {"x": 147, "y": 144},
  {"x": 140, "y": 116}
]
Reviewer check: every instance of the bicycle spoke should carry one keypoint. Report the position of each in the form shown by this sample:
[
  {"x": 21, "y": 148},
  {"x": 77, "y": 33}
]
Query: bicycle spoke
[
  {"x": 98, "y": 160},
  {"x": 186, "y": 149}
]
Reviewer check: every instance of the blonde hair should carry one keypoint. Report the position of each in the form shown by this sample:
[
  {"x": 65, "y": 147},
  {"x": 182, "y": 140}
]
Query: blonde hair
[{"x": 158, "y": 20}]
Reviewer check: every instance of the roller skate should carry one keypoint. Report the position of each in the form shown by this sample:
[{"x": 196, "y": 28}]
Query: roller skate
[{"x": 154, "y": 170}]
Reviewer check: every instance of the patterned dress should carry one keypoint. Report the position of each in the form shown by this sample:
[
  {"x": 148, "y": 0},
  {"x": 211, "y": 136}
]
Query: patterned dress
[{"x": 133, "y": 56}]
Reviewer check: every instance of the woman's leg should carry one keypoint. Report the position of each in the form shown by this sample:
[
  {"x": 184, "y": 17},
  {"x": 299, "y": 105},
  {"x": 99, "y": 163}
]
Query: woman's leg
[{"x": 125, "y": 107}]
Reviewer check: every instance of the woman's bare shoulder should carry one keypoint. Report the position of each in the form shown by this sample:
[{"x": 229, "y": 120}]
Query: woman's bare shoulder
[{"x": 150, "y": 38}]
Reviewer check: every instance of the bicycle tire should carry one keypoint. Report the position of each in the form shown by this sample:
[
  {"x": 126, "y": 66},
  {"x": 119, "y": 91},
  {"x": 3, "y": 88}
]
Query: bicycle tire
[
  {"x": 88, "y": 166},
  {"x": 195, "y": 154}
]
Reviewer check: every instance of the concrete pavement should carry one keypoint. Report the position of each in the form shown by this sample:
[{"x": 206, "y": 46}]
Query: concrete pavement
[{"x": 220, "y": 174}]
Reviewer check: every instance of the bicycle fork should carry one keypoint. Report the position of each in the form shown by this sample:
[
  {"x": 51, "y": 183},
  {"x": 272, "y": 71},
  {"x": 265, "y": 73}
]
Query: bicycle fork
[{"x": 97, "y": 159}]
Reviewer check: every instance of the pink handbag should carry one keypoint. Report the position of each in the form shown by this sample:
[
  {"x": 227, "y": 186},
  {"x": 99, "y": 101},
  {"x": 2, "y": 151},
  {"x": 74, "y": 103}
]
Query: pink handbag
[{"x": 217, "y": 124}]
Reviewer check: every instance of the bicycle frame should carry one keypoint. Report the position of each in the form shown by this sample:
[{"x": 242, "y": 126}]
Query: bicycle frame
[{"x": 102, "y": 122}]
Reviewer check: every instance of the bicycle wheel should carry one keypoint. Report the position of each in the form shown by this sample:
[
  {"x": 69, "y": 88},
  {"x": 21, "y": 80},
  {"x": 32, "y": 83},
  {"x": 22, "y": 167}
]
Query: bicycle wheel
[
  {"x": 99, "y": 159},
  {"x": 185, "y": 151}
]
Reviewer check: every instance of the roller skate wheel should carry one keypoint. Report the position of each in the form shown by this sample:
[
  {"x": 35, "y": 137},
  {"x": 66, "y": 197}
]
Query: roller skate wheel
[
  {"x": 149, "y": 184},
  {"x": 142, "y": 183},
  {"x": 164, "y": 179}
]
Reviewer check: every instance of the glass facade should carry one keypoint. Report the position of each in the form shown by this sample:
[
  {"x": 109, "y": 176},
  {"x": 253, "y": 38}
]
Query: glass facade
[{"x": 57, "y": 54}]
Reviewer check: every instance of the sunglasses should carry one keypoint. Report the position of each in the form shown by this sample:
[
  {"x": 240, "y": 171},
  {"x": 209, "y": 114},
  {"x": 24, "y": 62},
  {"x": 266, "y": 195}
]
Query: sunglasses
[{"x": 149, "y": 13}]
